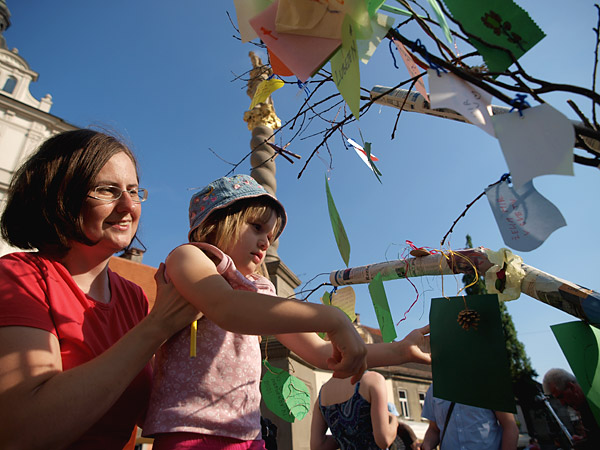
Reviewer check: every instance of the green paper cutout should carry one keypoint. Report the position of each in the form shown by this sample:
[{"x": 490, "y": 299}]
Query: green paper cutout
[
  {"x": 580, "y": 344},
  {"x": 382, "y": 309},
  {"x": 373, "y": 6},
  {"x": 341, "y": 238},
  {"x": 285, "y": 395},
  {"x": 498, "y": 22},
  {"x": 402, "y": 12},
  {"x": 441, "y": 19},
  {"x": 344, "y": 67},
  {"x": 470, "y": 366},
  {"x": 326, "y": 299},
  {"x": 374, "y": 168}
]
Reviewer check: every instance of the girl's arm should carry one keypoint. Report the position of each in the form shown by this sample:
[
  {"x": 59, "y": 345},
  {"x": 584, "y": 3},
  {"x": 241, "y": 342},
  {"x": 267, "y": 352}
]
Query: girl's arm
[
  {"x": 319, "y": 440},
  {"x": 384, "y": 424},
  {"x": 314, "y": 350},
  {"x": 510, "y": 430},
  {"x": 59, "y": 406},
  {"x": 196, "y": 278}
]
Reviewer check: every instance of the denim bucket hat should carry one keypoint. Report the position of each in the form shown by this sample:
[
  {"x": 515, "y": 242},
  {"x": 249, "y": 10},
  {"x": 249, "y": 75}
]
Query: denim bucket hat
[{"x": 224, "y": 192}]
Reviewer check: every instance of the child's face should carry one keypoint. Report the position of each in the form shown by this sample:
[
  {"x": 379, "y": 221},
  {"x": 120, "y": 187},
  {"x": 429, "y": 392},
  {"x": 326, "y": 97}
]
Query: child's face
[{"x": 251, "y": 247}]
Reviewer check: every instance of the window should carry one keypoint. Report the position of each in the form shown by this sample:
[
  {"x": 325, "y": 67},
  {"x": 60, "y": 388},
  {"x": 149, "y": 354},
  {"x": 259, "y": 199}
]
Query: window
[
  {"x": 9, "y": 86},
  {"x": 422, "y": 400},
  {"x": 402, "y": 396}
]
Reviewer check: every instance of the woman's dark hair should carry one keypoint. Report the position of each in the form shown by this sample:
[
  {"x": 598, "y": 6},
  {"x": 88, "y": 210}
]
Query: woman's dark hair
[{"x": 47, "y": 193}]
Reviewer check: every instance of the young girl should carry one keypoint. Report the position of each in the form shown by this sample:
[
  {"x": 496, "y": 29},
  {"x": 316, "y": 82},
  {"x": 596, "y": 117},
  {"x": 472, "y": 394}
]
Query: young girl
[{"x": 212, "y": 401}]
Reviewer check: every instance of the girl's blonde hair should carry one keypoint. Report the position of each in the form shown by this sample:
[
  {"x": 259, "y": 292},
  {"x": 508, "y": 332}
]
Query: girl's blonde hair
[{"x": 222, "y": 227}]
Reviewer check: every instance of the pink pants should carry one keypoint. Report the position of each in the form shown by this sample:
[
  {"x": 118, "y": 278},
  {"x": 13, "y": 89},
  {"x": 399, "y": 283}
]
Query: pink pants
[{"x": 193, "y": 441}]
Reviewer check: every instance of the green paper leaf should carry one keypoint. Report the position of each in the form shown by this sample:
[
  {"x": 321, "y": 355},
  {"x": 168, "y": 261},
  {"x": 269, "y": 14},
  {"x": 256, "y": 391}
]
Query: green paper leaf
[
  {"x": 441, "y": 19},
  {"x": 580, "y": 344},
  {"x": 382, "y": 309},
  {"x": 376, "y": 171},
  {"x": 373, "y": 6},
  {"x": 344, "y": 67},
  {"x": 341, "y": 238},
  {"x": 470, "y": 366},
  {"x": 498, "y": 22},
  {"x": 285, "y": 395}
]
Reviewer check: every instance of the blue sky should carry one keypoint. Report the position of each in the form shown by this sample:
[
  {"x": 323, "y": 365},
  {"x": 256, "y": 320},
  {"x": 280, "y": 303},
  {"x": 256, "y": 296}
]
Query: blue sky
[{"x": 163, "y": 75}]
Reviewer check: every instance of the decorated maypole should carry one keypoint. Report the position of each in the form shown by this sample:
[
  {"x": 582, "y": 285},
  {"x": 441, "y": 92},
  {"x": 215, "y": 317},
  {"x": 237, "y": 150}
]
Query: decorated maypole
[{"x": 262, "y": 122}]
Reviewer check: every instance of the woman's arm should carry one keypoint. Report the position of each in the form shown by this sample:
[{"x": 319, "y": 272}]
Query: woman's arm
[
  {"x": 59, "y": 406},
  {"x": 195, "y": 277},
  {"x": 510, "y": 430},
  {"x": 432, "y": 437},
  {"x": 384, "y": 424},
  {"x": 319, "y": 440}
]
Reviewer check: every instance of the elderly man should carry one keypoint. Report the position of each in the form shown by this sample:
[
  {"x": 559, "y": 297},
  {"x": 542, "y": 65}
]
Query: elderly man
[{"x": 563, "y": 385}]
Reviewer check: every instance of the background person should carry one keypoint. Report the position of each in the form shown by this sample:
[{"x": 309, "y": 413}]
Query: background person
[
  {"x": 75, "y": 337},
  {"x": 357, "y": 415},
  {"x": 405, "y": 436},
  {"x": 467, "y": 427},
  {"x": 563, "y": 385}
]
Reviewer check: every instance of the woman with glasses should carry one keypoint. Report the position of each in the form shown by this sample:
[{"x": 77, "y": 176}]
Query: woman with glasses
[{"x": 76, "y": 338}]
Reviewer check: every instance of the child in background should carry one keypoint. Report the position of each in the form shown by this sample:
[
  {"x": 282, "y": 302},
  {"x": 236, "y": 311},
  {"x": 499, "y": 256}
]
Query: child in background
[{"x": 212, "y": 401}]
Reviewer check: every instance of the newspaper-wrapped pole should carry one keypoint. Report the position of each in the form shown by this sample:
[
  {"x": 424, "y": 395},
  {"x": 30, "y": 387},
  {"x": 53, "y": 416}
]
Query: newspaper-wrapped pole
[
  {"x": 415, "y": 102},
  {"x": 568, "y": 297}
]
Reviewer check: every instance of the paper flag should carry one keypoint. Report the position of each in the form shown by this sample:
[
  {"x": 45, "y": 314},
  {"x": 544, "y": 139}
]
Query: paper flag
[
  {"x": 382, "y": 309},
  {"x": 245, "y": 10},
  {"x": 498, "y": 22},
  {"x": 345, "y": 299},
  {"x": 303, "y": 55},
  {"x": 413, "y": 70},
  {"x": 373, "y": 6},
  {"x": 470, "y": 366},
  {"x": 278, "y": 67},
  {"x": 380, "y": 24},
  {"x": 285, "y": 395},
  {"x": 264, "y": 89},
  {"x": 580, "y": 344},
  {"x": 448, "y": 91},
  {"x": 341, "y": 238},
  {"x": 441, "y": 19},
  {"x": 540, "y": 142},
  {"x": 362, "y": 154},
  {"x": 310, "y": 18},
  {"x": 524, "y": 216},
  {"x": 344, "y": 68}
]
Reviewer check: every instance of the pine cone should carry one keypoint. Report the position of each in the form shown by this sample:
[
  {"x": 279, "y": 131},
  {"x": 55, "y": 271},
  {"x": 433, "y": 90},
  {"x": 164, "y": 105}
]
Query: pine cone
[{"x": 468, "y": 319}]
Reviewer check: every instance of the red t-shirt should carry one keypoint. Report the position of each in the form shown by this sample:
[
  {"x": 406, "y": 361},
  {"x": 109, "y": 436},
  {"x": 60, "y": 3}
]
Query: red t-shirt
[{"x": 40, "y": 293}]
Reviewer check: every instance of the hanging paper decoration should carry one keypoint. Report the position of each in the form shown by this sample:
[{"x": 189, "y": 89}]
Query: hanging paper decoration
[
  {"x": 525, "y": 217},
  {"x": 345, "y": 299},
  {"x": 310, "y": 18},
  {"x": 264, "y": 89},
  {"x": 303, "y": 55},
  {"x": 285, "y": 395},
  {"x": 380, "y": 24},
  {"x": 341, "y": 238},
  {"x": 580, "y": 344},
  {"x": 246, "y": 10},
  {"x": 362, "y": 154},
  {"x": 344, "y": 68},
  {"x": 278, "y": 67},
  {"x": 448, "y": 91},
  {"x": 535, "y": 141},
  {"x": 413, "y": 70},
  {"x": 498, "y": 22},
  {"x": 504, "y": 278},
  {"x": 470, "y": 366},
  {"x": 382, "y": 309}
]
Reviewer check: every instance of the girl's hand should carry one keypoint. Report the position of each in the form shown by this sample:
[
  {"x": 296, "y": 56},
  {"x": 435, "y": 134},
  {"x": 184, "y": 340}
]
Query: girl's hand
[
  {"x": 171, "y": 310},
  {"x": 349, "y": 356}
]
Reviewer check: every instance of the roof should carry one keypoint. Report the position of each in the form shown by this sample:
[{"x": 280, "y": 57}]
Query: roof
[{"x": 139, "y": 273}]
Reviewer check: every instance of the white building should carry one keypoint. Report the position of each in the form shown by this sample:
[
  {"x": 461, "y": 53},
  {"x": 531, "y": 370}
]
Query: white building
[{"x": 24, "y": 120}]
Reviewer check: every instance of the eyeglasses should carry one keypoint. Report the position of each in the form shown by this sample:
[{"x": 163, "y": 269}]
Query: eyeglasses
[{"x": 113, "y": 193}]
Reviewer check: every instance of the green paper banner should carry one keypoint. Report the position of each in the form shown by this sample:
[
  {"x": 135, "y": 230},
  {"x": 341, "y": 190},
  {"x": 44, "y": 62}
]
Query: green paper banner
[
  {"x": 344, "y": 68},
  {"x": 382, "y": 309},
  {"x": 470, "y": 366},
  {"x": 497, "y": 22},
  {"x": 341, "y": 238},
  {"x": 580, "y": 344},
  {"x": 285, "y": 395}
]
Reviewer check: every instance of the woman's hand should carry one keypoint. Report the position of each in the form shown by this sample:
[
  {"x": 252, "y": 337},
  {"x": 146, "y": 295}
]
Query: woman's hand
[
  {"x": 412, "y": 344},
  {"x": 171, "y": 310}
]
